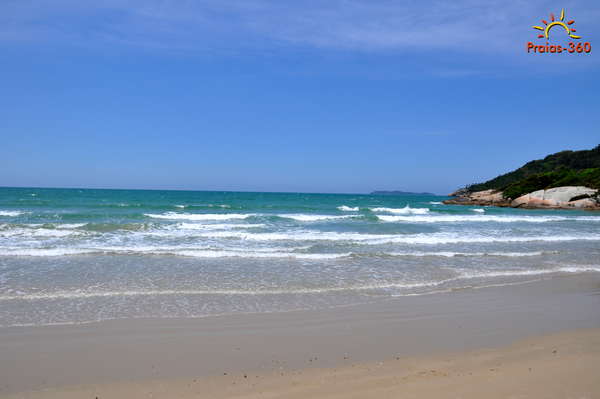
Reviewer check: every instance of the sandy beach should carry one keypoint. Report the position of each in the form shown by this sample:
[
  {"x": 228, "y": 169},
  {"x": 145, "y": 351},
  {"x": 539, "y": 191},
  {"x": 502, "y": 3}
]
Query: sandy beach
[
  {"x": 555, "y": 366},
  {"x": 538, "y": 339}
]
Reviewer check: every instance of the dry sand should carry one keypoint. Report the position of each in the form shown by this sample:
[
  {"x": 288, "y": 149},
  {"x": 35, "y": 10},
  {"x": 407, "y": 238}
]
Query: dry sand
[
  {"x": 538, "y": 340},
  {"x": 564, "y": 365}
]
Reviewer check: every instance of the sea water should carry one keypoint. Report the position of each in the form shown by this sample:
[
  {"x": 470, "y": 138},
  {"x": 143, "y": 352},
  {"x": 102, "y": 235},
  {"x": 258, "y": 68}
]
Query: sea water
[{"x": 72, "y": 256}]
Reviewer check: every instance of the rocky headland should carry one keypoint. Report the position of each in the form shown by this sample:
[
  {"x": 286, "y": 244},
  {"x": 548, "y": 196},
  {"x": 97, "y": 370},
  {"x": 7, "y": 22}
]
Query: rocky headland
[
  {"x": 567, "y": 197},
  {"x": 565, "y": 180}
]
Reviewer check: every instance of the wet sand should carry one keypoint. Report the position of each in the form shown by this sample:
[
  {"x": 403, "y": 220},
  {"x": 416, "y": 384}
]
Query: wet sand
[{"x": 465, "y": 343}]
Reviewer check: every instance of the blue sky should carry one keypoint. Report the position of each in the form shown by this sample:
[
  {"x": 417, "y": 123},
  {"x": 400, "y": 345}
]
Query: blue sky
[{"x": 315, "y": 96}]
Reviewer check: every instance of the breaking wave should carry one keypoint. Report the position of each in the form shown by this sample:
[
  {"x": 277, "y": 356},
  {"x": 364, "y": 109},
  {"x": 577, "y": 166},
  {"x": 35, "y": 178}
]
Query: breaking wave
[
  {"x": 407, "y": 210},
  {"x": 197, "y": 216},
  {"x": 311, "y": 218},
  {"x": 435, "y": 238},
  {"x": 11, "y": 213},
  {"x": 482, "y": 218}
]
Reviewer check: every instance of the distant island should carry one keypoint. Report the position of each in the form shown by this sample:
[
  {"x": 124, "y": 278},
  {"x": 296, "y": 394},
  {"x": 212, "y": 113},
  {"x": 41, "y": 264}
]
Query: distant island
[
  {"x": 564, "y": 180},
  {"x": 396, "y": 192}
]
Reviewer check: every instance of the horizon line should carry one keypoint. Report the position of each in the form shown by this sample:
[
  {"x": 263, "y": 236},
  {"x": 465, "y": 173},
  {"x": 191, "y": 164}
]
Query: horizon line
[{"x": 199, "y": 190}]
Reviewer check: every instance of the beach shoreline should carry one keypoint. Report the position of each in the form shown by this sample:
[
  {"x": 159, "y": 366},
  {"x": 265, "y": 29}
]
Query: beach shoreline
[{"x": 130, "y": 358}]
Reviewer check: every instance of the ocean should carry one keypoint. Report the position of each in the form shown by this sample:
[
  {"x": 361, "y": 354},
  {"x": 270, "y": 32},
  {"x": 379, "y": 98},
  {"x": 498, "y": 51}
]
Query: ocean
[{"x": 84, "y": 255}]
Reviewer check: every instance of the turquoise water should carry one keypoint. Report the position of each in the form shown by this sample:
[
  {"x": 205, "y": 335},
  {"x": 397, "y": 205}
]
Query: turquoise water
[{"x": 70, "y": 255}]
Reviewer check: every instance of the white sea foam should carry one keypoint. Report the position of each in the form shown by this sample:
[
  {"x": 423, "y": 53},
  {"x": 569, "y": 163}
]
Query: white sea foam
[
  {"x": 219, "y": 226},
  {"x": 480, "y": 218},
  {"x": 348, "y": 208},
  {"x": 290, "y": 236},
  {"x": 44, "y": 226},
  {"x": 132, "y": 293},
  {"x": 311, "y": 218},
  {"x": 198, "y": 216},
  {"x": 195, "y": 253},
  {"x": 45, "y": 252},
  {"x": 240, "y": 231},
  {"x": 189, "y": 252},
  {"x": 272, "y": 252},
  {"x": 435, "y": 239},
  {"x": 431, "y": 239},
  {"x": 473, "y": 254},
  {"x": 257, "y": 254},
  {"x": 24, "y": 232},
  {"x": 435, "y": 202},
  {"x": 407, "y": 210},
  {"x": 11, "y": 213},
  {"x": 479, "y": 210},
  {"x": 83, "y": 294},
  {"x": 70, "y": 225},
  {"x": 80, "y": 294},
  {"x": 516, "y": 273}
]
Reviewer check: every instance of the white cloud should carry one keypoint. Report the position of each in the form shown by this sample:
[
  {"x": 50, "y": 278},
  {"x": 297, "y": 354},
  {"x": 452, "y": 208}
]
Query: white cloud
[{"x": 221, "y": 25}]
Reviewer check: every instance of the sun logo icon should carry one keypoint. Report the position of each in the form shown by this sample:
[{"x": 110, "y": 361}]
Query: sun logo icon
[{"x": 566, "y": 26}]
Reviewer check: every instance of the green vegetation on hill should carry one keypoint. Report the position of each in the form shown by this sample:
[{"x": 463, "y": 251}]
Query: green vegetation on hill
[
  {"x": 562, "y": 177},
  {"x": 565, "y": 168}
]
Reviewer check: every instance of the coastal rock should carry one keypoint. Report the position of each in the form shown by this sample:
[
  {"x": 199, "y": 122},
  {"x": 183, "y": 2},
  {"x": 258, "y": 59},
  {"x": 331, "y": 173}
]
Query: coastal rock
[
  {"x": 461, "y": 192},
  {"x": 566, "y": 197},
  {"x": 492, "y": 196},
  {"x": 586, "y": 203},
  {"x": 481, "y": 198},
  {"x": 559, "y": 197}
]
